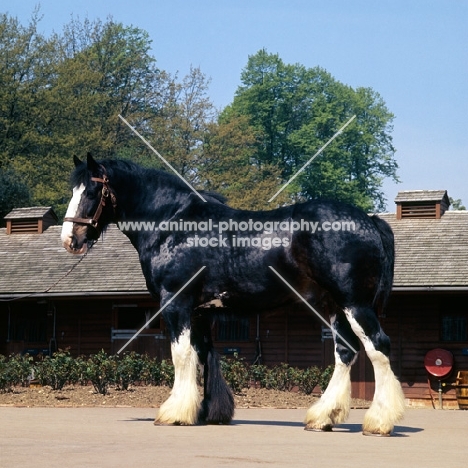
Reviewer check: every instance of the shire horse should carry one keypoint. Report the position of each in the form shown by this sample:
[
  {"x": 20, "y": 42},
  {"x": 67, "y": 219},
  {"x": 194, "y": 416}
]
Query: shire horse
[{"x": 352, "y": 268}]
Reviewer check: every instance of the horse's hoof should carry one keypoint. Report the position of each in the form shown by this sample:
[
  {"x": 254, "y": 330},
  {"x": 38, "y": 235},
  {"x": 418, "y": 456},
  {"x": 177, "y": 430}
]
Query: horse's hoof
[
  {"x": 176, "y": 423},
  {"x": 376, "y": 434},
  {"x": 159, "y": 423},
  {"x": 326, "y": 428}
]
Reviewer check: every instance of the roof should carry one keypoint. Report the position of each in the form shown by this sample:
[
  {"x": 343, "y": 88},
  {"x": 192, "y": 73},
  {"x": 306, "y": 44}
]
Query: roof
[
  {"x": 30, "y": 212},
  {"x": 33, "y": 263},
  {"x": 421, "y": 196},
  {"x": 431, "y": 252}
]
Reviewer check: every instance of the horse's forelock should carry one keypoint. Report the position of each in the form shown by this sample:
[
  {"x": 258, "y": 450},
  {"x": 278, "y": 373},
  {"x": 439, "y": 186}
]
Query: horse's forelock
[{"x": 80, "y": 176}]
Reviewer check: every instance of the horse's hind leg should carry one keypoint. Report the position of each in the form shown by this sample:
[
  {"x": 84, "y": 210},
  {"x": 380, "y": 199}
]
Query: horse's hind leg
[
  {"x": 388, "y": 405},
  {"x": 218, "y": 403},
  {"x": 333, "y": 406},
  {"x": 183, "y": 405}
]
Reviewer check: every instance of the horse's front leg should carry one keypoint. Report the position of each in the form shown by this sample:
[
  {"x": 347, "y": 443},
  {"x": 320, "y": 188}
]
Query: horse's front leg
[
  {"x": 183, "y": 405},
  {"x": 333, "y": 407}
]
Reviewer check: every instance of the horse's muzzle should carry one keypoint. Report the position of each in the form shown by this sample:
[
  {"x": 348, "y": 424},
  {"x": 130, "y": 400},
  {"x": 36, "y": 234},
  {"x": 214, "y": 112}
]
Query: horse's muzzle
[{"x": 72, "y": 246}]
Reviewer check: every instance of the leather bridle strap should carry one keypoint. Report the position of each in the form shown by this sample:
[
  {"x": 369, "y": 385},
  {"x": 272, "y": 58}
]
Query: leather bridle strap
[{"x": 105, "y": 194}]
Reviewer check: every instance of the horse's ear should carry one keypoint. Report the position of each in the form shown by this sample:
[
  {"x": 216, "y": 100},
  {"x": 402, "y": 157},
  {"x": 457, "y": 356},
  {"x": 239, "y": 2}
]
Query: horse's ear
[
  {"x": 76, "y": 161},
  {"x": 93, "y": 166}
]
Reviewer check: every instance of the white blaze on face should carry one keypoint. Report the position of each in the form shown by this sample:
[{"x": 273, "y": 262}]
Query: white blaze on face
[{"x": 67, "y": 228}]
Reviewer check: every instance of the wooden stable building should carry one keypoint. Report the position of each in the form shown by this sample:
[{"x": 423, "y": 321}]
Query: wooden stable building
[{"x": 50, "y": 299}]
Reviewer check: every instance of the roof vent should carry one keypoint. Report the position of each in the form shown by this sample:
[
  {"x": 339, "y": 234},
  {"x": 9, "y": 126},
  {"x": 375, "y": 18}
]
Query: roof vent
[
  {"x": 32, "y": 220},
  {"x": 422, "y": 204}
]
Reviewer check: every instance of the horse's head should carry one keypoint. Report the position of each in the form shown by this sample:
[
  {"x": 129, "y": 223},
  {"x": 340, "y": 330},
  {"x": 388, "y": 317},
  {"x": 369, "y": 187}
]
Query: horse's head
[{"x": 91, "y": 207}]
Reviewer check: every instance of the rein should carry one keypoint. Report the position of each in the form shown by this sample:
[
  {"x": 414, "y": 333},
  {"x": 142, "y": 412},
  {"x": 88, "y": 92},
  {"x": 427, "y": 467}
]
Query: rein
[{"x": 106, "y": 194}]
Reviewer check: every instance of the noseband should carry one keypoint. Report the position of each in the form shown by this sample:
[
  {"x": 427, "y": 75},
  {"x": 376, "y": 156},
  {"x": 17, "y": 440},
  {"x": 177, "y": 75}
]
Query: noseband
[{"x": 106, "y": 194}]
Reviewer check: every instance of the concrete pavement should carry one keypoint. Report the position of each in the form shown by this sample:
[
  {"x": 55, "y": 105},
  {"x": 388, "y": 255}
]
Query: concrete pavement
[{"x": 126, "y": 437}]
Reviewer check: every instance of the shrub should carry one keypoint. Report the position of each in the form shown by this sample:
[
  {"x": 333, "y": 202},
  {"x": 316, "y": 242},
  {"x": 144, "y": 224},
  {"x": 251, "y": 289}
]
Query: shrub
[
  {"x": 308, "y": 379},
  {"x": 151, "y": 371},
  {"x": 325, "y": 377},
  {"x": 258, "y": 373},
  {"x": 57, "y": 370},
  {"x": 101, "y": 371},
  {"x": 80, "y": 376},
  {"x": 167, "y": 373},
  {"x": 20, "y": 369},
  {"x": 128, "y": 370},
  {"x": 5, "y": 379},
  {"x": 235, "y": 372},
  {"x": 285, "y": 377}
]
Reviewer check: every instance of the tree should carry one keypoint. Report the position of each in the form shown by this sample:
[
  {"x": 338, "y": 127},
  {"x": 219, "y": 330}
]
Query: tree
[
  {"x": 178, "y": 130},
  {"x": 457, "y": 204},
  {"x": 228, "y": 165},
  {"x": 13, "y": 193},
  {"x": 62, "y": 95},
  {"x": 296, "y": 110}
]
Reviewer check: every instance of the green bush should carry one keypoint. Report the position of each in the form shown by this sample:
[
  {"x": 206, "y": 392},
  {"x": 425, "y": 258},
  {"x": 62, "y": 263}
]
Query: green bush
[
  {"x": 325, "y": 377},
  {"x": 235, "y": 372},
  {"x": 57, "y": 371},
  {"x": 128, "y": 370},
  {"x": 101, "y": 371},
  {"x": 80, "y": 375},
  {"x": 5, "y": 378},
  {"x": 258, "y": 374},
  {"x": 285, "y": 377},
  {"x": 151, "y": 371},
  {"x": 21, "y": 369},
  {"x": 16, "y": 370},
  {"x": 167, "y": 373},
  {"x": 308, "y": 379}
]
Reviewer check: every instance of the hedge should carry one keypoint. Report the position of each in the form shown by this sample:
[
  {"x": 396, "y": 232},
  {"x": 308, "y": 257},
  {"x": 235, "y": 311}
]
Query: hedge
[{"x": 104, "y": 371}]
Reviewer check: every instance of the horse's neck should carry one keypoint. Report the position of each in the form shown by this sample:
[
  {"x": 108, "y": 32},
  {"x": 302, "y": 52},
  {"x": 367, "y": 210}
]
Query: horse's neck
[{"x": 145, "y": 198}]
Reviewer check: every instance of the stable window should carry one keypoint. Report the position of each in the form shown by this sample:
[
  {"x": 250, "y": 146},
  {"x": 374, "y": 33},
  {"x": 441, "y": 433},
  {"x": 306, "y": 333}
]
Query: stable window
[
  {"x": 454, "y": 328},
  {"x": 29, "y": 326},
  {"x": 233, "y": 328},
  {"x": 133, "y": 318}
]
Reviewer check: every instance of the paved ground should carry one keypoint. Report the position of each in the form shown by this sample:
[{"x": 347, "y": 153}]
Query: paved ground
[{"x": 126, "y": 437}]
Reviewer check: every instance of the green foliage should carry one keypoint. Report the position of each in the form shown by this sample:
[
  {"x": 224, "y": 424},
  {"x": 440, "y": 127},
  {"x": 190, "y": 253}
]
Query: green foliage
[
  {"x": 235, "y": 372},
  {"x": 58, "y": 370},
  {"x": 308, "y": 379},
  {"x": 101, "y": 371},
  {"x": 61, "y": 95},
  {"x": 5, "y": 381},
  {"x": 325, "y": 377},
  {"x": 285, "y": 377},
  {"x": 128, "y": 370},
  {"x": 14, "y": 371},
  {"x": 296, "y": 110},
  {"x": 167, "y": 373},
  {"x": 104, "y": 371},
  {"x": 457, "y": 204},
  {"x": 13, "y": 192}
]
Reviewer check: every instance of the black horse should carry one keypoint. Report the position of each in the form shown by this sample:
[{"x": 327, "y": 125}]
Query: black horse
[{"x": 320, "y": 248}]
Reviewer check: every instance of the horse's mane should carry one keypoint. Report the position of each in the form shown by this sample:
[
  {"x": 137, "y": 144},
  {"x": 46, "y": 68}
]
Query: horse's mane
[{"x": 81, "y": 176}]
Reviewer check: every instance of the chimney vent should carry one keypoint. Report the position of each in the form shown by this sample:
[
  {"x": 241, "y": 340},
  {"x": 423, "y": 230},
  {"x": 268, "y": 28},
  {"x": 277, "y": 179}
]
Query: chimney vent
[
  {"x": 421, "y": 204},
  {"x": 32, "y": 220}
]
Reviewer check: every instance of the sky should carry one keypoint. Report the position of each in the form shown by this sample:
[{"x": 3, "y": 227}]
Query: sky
[{"x": 414, "y": 53}]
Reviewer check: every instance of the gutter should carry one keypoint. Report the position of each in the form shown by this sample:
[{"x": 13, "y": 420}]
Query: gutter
[
  {"x": 78, "y": 295},
  {"x": 429, "y": 288}
]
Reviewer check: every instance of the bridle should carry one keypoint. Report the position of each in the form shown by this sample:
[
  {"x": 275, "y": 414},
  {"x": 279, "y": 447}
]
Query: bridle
[{"x": 106, "y": 194}]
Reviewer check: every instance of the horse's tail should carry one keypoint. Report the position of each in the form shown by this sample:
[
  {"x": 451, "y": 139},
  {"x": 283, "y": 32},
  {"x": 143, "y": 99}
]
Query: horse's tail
[{"x": 388, "y": 262}]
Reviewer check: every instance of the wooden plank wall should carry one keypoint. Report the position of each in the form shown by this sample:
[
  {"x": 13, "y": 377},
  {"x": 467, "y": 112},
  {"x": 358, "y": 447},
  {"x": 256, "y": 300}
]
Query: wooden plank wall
[{"x": 414, "y": 323}]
